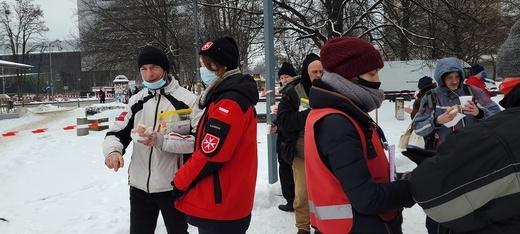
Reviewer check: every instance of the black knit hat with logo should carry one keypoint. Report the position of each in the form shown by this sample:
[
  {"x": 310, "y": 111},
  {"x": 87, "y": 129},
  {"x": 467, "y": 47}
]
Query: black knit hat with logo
[
  {"x": 153, "y": 55},
  {"x": 223, "y": 50}
]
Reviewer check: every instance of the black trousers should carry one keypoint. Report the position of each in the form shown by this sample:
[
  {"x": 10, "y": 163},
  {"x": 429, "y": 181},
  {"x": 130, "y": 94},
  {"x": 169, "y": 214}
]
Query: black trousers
[
  {"x": 435, "y": 228},
  {"x": 144, "y": 211},
  {"x": 213, "y": 226},
  {"x": 286, "y": 179}
]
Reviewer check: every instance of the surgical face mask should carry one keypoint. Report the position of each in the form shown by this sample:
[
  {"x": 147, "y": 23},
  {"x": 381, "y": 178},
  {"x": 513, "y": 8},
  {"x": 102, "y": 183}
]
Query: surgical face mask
[
  {"x": 155, "y": 85},
  {"x": 484, "y": 75},
  {"x": 207, "y": 76},
  {"x": 369, "y": 84}
]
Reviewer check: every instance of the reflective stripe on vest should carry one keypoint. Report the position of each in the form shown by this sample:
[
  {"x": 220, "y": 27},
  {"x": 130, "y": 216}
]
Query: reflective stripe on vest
[
  {"x": 329, "y": 207},
  {"x": 331, "y": 212}
]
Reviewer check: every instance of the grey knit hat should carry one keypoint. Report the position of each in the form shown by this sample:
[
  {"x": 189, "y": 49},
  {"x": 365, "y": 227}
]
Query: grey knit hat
[{"x": 508, "y": 59}]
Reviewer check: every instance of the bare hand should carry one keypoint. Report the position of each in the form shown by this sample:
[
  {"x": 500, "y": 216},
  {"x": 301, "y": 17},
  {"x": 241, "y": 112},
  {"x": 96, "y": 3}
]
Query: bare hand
[
  {"x": 447, "y": 116},
  {"x": 470, "y": 108},
  {"x": 151, "y": 139},
  {"x": 115, "y": 161},
  {"x": 274, "y": 128}
]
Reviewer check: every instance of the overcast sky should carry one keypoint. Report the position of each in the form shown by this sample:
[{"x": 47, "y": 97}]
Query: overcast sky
[{"x": 60, "y": 18}]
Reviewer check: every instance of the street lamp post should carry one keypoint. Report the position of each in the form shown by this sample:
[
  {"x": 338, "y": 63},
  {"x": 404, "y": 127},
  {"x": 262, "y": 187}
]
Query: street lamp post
[
  {"x": 269, "y": 85},
  {"x": 50, "y": 65},
  {"x": 3, "y": 81}
]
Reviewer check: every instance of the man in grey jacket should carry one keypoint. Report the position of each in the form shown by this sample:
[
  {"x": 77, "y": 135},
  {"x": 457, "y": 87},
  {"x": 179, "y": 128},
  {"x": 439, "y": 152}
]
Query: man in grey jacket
[
  {"x": 158, "y": 152},
  {"x": 471, "y": 185},
  {"x": 435, "y": 113}
]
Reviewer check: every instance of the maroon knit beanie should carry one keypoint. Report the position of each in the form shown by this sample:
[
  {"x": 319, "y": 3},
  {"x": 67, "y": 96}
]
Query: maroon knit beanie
[{"x": 350, "y": 57}]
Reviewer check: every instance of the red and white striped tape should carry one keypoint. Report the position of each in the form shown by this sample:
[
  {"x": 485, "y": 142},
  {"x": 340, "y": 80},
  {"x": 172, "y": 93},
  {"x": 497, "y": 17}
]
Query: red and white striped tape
[{"x": 44, "y": 130}]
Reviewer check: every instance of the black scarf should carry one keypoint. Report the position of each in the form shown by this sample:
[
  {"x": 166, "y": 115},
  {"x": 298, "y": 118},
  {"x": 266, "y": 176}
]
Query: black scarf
[{"x": 512, "y": 99}]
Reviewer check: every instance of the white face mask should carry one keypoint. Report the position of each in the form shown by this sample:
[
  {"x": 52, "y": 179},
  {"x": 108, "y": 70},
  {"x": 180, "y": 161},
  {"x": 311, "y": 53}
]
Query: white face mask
[{"x": 207, "y": 76}]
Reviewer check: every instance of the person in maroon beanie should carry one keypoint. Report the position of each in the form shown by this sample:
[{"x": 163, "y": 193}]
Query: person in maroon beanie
[{"x": 348, "y": 175}]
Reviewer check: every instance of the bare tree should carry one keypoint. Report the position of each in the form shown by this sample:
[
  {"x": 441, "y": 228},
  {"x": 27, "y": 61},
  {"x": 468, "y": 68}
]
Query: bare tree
[
  {"x": 402, "y": 29},
  {"x": 240, "y": 19},
  {"x": 465, "y": 29},
  {"x": 118, "y": 29},
  {"x": 21, "y": 22}
]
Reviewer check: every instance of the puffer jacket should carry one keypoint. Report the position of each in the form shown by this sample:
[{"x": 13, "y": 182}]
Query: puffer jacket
[
  {"x": 424, "y": 124},
  {"x": 152, "y": 168}
]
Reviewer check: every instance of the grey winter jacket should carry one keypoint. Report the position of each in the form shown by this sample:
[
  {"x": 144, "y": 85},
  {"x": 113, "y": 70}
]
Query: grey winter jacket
[
  {"x": 152, "y": 168},
  {"x": 424, "y": 124}
]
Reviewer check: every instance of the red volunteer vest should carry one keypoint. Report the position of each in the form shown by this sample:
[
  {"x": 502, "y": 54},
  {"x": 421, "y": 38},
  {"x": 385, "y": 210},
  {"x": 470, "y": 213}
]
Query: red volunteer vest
[{"x": 330, "y": 209}]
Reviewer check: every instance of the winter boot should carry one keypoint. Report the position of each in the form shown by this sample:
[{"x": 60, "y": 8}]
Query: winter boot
[{"x": 287, "y": 207}]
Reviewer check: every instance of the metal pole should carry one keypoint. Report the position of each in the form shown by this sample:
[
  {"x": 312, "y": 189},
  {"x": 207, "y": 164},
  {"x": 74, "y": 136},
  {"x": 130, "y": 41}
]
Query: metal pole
[
  {"x": 269, "y": 85},
  {"x": 3, "y": 81},
  {"x": 196, "y": 43},
  {"x": 50, "y": 65}
]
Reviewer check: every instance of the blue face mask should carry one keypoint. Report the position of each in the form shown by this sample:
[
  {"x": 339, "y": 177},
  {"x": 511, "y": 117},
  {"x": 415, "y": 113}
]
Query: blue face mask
[
  {"x": 155, "y": 85},
  {"x": 484, "y": 75},
  {"x": 207, "y": 76}
]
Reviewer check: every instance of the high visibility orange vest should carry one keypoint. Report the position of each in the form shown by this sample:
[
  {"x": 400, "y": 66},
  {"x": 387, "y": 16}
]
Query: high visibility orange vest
[{"x": 329, "y": 207}]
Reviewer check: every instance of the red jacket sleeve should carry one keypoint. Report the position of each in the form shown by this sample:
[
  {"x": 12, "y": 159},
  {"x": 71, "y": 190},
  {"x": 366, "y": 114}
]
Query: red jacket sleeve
[{"x": 218, "y": 137}]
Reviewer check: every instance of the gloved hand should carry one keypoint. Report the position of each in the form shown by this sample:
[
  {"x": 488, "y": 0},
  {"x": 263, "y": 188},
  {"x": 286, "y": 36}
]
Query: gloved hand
[
  {"x": 177, "y": 193},
  {"x": 418, "y": 155}
]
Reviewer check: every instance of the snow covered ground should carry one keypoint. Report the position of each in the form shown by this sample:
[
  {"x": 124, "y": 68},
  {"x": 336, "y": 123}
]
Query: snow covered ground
[{"x": 56, "y": 182}]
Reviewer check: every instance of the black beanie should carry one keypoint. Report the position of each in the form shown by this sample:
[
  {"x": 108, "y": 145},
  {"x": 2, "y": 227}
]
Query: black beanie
[
  {"x": 287, "y": 69},
  {"x": 424, "y": 81},
  {"x": 305, "y": 80},
  {"x": 476, "y": 69},
  {"x": 223, "y": 50},
  {"x": 153, "y": 55}
]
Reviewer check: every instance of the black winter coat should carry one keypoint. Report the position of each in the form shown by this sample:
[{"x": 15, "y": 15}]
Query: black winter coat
[
  {"x": 290, "y": 120},
  {"x": 472, "y": 185}
]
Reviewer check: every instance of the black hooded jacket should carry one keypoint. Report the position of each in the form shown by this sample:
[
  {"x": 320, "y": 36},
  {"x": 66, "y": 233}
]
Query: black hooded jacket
[
  {"x": 472, "y": 185},
  {"x": 290, "y": 120}
]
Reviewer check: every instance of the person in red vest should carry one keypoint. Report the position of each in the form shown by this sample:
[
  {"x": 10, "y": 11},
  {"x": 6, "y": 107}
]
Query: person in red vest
[{"x": 349, "y": 185}]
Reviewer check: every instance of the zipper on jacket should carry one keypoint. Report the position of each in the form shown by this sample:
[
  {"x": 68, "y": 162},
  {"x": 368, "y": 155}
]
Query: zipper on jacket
[{"x": 151, "y": 148}]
